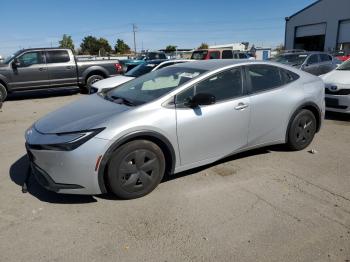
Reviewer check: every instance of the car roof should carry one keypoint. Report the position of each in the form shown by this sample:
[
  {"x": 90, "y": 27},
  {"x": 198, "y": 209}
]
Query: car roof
[
  {"x": 305, "y": 53},
  {"x": 214, "y": 64}
]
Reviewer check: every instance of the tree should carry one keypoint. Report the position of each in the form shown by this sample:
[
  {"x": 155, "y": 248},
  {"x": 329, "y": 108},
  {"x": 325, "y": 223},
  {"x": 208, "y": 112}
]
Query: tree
[
  {"x": 203, "y": 46},
  {"x": 66, "y": 42},
  {"x": 121, "y": 47},
  {"x": 104, "y": 47},
  {"x": 93, "y": 46},
  {"x": 90, "y": 45},
  {"x": 170, "y": 48}
]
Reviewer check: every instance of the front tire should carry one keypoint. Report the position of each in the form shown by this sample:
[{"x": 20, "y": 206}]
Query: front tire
[
  {"x": 302, "y": 130},
  {"x": 135, "y": 169},
  {"x": 3, "y": 93}
]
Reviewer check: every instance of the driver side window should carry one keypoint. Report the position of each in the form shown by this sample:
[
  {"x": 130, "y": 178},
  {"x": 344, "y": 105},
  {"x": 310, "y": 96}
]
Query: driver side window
[
  {"x": 224, "y": 86},
  {"x": 30, "y": 58}
]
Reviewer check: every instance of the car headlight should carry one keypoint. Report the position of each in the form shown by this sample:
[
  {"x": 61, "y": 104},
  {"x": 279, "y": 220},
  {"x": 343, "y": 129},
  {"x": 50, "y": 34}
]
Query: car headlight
[{"x": 67, "y": 141}]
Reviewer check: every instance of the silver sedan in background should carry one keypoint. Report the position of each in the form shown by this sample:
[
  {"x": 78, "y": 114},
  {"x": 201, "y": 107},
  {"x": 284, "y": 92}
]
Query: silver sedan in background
[{"x": 177, "y": 118}]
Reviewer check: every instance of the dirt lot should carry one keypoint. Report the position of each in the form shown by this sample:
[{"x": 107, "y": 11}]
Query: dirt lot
[{"x": 264, "y": 205}]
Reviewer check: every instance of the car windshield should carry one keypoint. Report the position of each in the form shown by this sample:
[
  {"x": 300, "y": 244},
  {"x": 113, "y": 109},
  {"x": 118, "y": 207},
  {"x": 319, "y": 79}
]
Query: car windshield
[
  {"x": 345, "y": 66},
  {"x": 151, "y": 86},
  {"x": 291, "y": 59},
  {"x": 141, "y": 69},
  {"x": 199, "y": 55}
]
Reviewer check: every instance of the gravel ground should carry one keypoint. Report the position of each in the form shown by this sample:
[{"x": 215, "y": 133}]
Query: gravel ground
[{"x": 264, "y": 205}]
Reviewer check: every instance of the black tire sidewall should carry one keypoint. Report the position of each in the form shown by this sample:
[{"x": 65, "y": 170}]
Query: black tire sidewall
[
  {"x": 293, "y": 145},
  {"x": 114, "y": 180},
  {"x": 90, "y": 81},
  {"x": 3, "y": 93}
]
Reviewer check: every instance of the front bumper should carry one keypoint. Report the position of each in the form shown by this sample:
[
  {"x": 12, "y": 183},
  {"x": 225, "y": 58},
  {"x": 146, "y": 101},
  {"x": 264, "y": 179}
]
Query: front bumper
[
  {"x": 68, "y": 172},
  {"x": 338, "y": 103}
]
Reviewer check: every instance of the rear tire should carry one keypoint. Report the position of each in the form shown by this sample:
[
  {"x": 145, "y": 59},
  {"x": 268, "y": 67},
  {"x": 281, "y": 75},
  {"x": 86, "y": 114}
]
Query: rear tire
[
  {"x": 90, "y": 81},
  {"x": 302, "y": 130},
  {"x": 135, "y": 169},
  {"x": 3, "y": 93}
]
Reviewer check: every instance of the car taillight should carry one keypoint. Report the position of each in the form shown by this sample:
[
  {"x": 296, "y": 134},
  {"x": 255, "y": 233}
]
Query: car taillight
[{"x": 118, "y": 68}]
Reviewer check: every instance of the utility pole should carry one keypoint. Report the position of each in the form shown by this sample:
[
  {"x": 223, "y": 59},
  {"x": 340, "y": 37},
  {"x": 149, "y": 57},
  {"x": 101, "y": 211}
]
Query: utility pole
[{"x": 134, "y": 28}]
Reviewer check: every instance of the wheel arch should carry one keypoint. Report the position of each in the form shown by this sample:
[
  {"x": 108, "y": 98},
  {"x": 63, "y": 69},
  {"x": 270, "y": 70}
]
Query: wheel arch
[
  {"x": 3, "y": 82},
  {"x": 95, "y": 70},
  {"x": 311, "y": 106},
  {"x": 157, "y": 138}
]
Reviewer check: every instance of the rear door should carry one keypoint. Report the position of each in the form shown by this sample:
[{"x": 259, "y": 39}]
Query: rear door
[
  {"x": 312, "y": 65},
  {"x": 269, "y": 103},
  {"x": 326, "y": 63},
  {"x": 216, "y": 130},
  {"x": 61, "y": 68},
  {"x": 32, "y": 71}
]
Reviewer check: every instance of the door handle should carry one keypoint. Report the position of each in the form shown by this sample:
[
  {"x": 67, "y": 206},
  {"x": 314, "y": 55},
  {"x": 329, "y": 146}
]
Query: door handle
[
  {"x": 241, "y": 106},
  {"x": 69, "y": 67},
  {"x": 42, "y": 69}
]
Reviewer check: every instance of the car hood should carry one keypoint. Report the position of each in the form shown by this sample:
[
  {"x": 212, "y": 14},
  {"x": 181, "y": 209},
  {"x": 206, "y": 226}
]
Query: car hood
[
  {"x": 111, "y": 82},
  {"x": 337, "y": 77},
  {"x": 84, "y": 114}
]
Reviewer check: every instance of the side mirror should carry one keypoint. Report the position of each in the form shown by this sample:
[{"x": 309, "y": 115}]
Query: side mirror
[
  {"x": 16, "y": 63},
  {"x": 201, "y": 99}
]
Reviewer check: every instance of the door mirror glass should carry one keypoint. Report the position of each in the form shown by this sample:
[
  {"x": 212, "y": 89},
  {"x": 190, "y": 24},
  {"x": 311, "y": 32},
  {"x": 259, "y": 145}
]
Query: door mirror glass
[{"x": 201, "y": 99}]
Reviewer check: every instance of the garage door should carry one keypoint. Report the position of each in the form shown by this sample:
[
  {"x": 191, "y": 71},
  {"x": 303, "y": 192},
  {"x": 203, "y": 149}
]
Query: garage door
[
  {"x": 344, "y": 32},
  {"x": 310, "y": 30}
]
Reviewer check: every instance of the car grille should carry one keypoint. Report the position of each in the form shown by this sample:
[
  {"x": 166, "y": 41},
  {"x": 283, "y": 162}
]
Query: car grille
[
  {"x": 341, "y": 92},
  {"x": 334, "y": 103}
]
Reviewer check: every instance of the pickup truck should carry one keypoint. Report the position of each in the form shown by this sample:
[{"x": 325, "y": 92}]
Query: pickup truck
[{"x": 51, "y": 67}]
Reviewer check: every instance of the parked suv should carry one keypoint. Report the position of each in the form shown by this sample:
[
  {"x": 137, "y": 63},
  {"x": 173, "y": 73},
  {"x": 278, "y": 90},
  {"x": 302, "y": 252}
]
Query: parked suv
[
  {"x": 316, "y": 63},
  {"x": 206, "y": 54},
  {"x": 51, "y": 67}
]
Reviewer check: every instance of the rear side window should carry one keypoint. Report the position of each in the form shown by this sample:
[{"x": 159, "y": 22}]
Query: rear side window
[
  {"x": 57, "y": 56},
  {"x": 227, "y": 54},
  {"x": 153, "y": 56},
  {"x": 288, "y": 76},
  {"x": 214, "y": 55},
  {"x": 264, "y": 77},
  {"x": 325, "y": 58},
  {"x": 313, "y": 59}
]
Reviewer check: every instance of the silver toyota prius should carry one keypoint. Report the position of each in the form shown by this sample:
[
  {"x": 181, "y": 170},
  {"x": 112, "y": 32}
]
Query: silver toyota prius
[{"x": 126, "y": 139}]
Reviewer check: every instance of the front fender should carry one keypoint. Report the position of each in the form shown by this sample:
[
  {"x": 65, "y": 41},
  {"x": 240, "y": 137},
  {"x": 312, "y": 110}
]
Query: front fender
[{"x": 127, "y": 137}]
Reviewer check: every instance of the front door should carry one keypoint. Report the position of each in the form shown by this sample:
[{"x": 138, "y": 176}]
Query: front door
[
  {"x": 31, "y": 71},
  {"x": 217, "y": 130}
]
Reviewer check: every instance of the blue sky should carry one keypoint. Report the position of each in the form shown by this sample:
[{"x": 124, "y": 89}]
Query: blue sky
[{"x": 39, "y": 23}]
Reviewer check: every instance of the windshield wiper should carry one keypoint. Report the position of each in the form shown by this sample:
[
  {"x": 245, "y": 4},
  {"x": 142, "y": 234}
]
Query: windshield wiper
[{"x": 123, "y": 100}]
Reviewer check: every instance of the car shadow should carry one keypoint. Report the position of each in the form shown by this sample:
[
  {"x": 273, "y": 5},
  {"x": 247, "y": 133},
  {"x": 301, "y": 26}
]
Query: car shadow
[
  {"x": 253, "y": 152},
  {"x": 337, "y": 116},
  {"x": 19, "y": 169},
  {"x": 18, "y": 173},
  {"x": 43, "y": 93}
]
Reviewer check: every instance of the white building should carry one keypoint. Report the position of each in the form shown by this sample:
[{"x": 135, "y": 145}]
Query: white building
[
  {"x": 233, "y": 46},
  {"x": 321, "y": 26}
]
